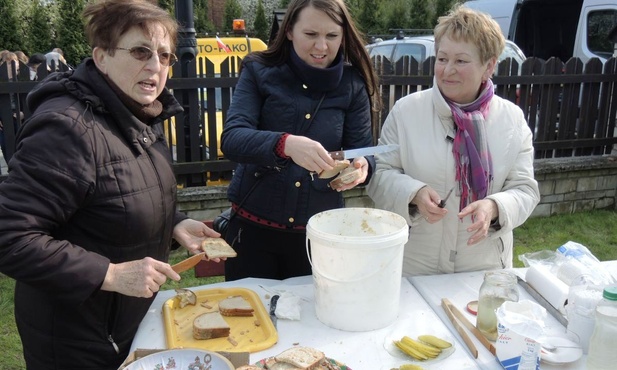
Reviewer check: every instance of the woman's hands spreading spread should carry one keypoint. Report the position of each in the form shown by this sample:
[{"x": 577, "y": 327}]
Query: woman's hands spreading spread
[{"x": 144, "y": 277}]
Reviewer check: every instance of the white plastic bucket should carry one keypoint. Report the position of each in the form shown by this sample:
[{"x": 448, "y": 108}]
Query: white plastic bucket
[{"x": 357, "y": 260}]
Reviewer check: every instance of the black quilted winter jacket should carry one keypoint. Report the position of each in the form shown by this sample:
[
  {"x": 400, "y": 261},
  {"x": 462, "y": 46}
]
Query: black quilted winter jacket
[{"x": 88, "y": 185}]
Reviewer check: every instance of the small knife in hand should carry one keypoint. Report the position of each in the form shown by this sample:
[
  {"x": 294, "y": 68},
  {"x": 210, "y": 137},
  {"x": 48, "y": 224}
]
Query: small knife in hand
[{"x": 273, "y": 301}]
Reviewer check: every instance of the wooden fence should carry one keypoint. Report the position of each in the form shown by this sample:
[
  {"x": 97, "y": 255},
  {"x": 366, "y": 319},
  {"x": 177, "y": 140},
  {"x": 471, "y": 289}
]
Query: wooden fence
[{"x": 570, "y": 107}]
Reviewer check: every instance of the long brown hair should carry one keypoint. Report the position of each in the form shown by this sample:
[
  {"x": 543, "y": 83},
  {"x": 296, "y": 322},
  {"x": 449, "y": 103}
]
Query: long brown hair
[{"x": 353, "y": 43}]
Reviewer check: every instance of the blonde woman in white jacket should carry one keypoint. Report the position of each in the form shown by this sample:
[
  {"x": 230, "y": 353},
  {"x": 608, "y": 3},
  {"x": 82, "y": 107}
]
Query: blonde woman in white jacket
[{"x": 458, "y": 135}]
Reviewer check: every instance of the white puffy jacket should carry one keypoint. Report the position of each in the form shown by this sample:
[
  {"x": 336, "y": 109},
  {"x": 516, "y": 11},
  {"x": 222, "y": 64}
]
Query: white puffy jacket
[{"x": 422, "y": 124}]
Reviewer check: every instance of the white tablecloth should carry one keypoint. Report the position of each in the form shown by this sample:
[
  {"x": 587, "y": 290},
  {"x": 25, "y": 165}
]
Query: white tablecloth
[
  {"x": 358, "y": 350},
  {"x": 463, "y": 287},
  {"x": 420, "y": 312}
]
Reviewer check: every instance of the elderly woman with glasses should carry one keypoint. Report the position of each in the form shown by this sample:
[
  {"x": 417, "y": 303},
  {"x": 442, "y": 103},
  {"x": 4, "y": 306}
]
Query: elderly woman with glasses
[{"x": 88, "y": 212}]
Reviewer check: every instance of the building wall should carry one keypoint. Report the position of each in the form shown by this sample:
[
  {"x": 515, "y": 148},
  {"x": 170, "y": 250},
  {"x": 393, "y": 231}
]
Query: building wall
[{"x": 567, "y": 185}]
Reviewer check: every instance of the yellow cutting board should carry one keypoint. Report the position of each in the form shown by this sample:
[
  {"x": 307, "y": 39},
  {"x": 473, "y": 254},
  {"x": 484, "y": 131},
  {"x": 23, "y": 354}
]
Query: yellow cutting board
[{"x": 248, "y": 333}]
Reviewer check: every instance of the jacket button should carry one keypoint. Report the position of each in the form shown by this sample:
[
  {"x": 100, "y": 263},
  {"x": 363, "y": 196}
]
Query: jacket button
[
  {"x": 291, "y": 219},
  {"x": 304, "y": 86},
  {"x": 297, "y": 184},
  {"x": 145, "y": 139},
  {"x": 307, "y": 116}
]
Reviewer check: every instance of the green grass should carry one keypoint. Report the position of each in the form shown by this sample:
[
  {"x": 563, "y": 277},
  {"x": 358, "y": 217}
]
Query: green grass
[{"x": 596, "y": 230}]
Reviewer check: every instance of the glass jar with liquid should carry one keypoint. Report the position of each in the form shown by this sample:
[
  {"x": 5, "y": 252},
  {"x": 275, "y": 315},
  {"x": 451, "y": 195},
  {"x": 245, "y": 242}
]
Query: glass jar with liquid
[{"x": 498, "y": 287}]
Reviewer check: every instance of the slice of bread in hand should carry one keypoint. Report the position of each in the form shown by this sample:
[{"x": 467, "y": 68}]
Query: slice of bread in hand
[
  {"x": 347, "y": 176},
  {"x": 235, "y": 306},
  {"x": 301, "y": 357},
  {"x": 210, "y": 325},
  {"x": 338, "y": 167},
  {"x": 217, "y": 248}
]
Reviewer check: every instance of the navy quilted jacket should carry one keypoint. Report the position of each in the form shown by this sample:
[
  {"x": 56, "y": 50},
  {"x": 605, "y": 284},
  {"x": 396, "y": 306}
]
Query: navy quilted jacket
[{"x": 272, "y": 100}]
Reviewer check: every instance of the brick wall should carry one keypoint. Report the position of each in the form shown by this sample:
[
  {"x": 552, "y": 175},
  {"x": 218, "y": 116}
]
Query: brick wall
[{"x": 567, "y": 185}]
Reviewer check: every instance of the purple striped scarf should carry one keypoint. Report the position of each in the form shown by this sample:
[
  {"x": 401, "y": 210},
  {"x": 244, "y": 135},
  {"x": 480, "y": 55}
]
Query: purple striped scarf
[{"x": 474, "y": 167}]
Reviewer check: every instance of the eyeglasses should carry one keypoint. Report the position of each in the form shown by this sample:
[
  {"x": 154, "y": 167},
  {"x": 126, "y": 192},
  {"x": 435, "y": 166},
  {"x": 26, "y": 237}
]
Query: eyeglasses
[{"x": 144, "y": 54}]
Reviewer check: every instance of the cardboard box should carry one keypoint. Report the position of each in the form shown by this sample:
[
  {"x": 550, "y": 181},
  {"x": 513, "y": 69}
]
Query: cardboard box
[{"x": 236, "y": 358}]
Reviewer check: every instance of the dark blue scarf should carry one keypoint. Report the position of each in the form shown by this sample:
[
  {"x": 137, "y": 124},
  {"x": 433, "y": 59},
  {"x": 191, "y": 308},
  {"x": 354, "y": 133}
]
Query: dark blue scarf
[{"x": 318, "y": 79}]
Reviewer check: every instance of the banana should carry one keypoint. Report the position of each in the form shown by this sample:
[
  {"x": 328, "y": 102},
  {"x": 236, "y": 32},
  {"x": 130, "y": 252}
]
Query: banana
[
  {"x": 410, "y": 367},
  {"x": 425, "y": 349},
  {"x": 434, "y": 341},
  {"x": 410, "y": 351}
]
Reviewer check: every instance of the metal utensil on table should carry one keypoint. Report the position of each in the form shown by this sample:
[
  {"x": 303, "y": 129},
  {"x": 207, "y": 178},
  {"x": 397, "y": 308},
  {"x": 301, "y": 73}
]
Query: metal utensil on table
[
  {"x": 443, "y": 201},
  {"x": 188, "y": 263},
  {"x": 273, "y": 301},
  {"x": 543, "y": 302},
  {"x": 361, "y": 152},
  {"x": 548, "y": 347}
]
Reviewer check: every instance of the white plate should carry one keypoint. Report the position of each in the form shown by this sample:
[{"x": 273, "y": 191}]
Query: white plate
[
  {"x": 561, "y": 355},
  {"x": 413, "y": 328},
  {"x": 192, "y": 359}
]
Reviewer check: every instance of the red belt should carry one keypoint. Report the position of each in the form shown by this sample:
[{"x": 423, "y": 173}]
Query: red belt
[{"x": 258, "y": 220}]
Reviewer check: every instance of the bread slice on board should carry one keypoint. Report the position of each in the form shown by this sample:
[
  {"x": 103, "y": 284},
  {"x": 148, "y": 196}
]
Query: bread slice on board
[
  {"x": 301, "y": 357},
  {"x": 210, "y": 325},
  {"x": 235, "y": 306},
  {"x": 338, "y": 167},
  {"x": 217, "y": 248}
]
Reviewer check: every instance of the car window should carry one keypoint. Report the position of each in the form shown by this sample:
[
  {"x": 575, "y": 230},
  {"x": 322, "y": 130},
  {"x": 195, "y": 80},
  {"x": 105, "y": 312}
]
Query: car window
[
  {"x": 418, "y": 51},
  {"x": 383, "y": 50},
  {"x": 599, "y": 24}
]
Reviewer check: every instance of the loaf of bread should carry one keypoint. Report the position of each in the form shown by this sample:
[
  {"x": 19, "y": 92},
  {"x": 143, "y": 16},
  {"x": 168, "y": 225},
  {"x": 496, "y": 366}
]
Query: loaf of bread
[
  {"x": 338, "y": 167},
  {"x": 347, "y": 176},
  {"x": 235, "y": 306},
  {"x": 217, "y": 248},
  {"x": 210, "y": 325}
]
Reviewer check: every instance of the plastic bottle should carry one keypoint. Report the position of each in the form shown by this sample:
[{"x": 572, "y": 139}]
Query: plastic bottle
[
  {"x": 498, "y": 287},
  {"x": 602, "y": 354}
]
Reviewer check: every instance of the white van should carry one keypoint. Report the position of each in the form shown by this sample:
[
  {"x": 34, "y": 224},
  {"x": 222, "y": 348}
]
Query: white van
[{"x": 561, "y": 28}]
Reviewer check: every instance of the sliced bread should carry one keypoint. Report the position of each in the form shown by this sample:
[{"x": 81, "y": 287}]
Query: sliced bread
[
  {"x": 301, "y": 357},
  {"x": 235, "y": 306},
  {"x": 347, "y": 176},
  {"x": 217, "y": 248},
  {"x": 210, "y": 325},
  {"x": 338, "y": 167},
  {"x": 186, "y": 297}
]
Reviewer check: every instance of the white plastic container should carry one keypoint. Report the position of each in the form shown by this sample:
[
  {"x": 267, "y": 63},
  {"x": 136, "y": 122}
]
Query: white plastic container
[
  {"x": 602, "y": 354},
  {"x": 357, "y": 260},
  {"x": 580, "y": 310}
]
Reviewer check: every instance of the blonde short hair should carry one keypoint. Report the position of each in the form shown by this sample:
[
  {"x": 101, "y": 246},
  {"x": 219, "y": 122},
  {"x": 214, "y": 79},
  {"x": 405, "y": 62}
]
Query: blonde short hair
[{"x": 467, "y": 25}]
